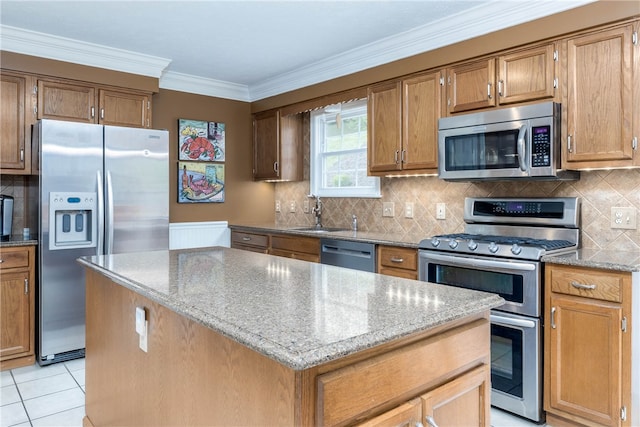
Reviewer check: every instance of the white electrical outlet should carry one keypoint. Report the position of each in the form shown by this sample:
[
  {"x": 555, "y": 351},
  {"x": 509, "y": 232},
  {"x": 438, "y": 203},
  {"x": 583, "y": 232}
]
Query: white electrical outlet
[
  {"x": 408, "y": 210},
  {"x": 277, "y": 205},
  {"x": 292, "y": 206},
  {"x": 441, "y": 210},
  {"x": 624, "y": 218},
  {"x": 305, "y": 206},
  {"x": 388, "y": 209}
]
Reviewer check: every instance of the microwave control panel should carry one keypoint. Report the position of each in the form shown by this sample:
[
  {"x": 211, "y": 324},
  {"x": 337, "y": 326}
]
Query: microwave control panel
[{"x": 541, "y": 146}]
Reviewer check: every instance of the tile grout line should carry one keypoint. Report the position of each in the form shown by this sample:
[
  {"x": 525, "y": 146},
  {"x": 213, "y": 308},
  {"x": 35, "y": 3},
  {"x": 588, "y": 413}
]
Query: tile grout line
[{"x": 24, "y": 407}]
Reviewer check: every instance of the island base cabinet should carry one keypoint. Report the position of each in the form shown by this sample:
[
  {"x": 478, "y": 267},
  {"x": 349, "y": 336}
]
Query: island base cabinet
[{"x": 192, "y": 375}]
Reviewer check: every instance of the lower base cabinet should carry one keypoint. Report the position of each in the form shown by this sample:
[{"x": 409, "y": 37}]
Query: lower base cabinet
[
  {"x": 587, "y": 347},
  {"x": 459, "y": 402}
]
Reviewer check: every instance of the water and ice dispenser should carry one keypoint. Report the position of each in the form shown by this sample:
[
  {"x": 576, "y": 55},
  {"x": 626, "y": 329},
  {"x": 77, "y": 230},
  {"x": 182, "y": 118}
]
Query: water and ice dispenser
[{"x": 73, "y": 220}]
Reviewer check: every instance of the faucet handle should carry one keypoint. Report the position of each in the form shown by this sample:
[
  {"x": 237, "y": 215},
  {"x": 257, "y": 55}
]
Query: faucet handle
[{"x": 354, "y": 222}]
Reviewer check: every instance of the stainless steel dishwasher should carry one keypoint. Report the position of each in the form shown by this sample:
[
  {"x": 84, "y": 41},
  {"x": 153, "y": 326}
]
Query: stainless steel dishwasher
[{"x": 349, "y": 254}]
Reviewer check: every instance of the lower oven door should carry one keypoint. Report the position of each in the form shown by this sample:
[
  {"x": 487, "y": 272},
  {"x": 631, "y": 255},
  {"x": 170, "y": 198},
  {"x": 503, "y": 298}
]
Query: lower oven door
[
  {"x": 516, "y": 364},
  {"x": 519, "y": 282}
]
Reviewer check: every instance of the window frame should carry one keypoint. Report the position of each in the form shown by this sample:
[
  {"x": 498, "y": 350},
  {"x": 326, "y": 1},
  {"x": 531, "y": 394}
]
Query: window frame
[{"x": 316, "y": 156}]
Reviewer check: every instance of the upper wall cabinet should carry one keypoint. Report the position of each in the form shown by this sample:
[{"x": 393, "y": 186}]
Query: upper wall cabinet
[
  {"x": 277, "y": 146},
  {"x": 519, "y": 76},
  {"x": 602, "y": 89},
  {"x": 86, "y": 103},
  {"x": 403, "y": 125},
  {"x": 15, "y": 123}
]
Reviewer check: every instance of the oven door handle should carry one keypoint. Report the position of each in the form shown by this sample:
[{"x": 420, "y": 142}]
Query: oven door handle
[
  {"x": 483, "y": 263},
  {"x": 523, "y": 323}
]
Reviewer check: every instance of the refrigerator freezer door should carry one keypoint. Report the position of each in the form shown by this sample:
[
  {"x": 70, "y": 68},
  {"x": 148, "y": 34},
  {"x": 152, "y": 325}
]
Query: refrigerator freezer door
[
  {"x": 136, "y": 189},
  {"x": 70, "y": 163}
]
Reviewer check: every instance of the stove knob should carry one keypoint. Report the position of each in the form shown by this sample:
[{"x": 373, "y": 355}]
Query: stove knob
[
  {"x": 515, "y": 249},
  {"x": 493, "y": 248},
  {"x": 472, "y": 245},
  {"x": 435, "y": 242},
  {"x": 453, "y": 244}
]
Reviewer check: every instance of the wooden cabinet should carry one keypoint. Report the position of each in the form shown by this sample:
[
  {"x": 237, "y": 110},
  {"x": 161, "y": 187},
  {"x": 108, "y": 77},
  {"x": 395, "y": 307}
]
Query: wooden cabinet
[
  {"x": 80, "y": 102},
  {"x": 15, "y": 123},
  {"x": 587, "y": 373},
  {"x": 277, "y": 146},
  {"x": 519, "y": 76},
  {"x": 398, "y": 261},
  {"x": 17, "y": 306},
  {"x": 248, "y": 241},
  {"x": 599, "y": 104},
  {"x": 403, "y": 125},
  {"x": 298, "y": 247}
]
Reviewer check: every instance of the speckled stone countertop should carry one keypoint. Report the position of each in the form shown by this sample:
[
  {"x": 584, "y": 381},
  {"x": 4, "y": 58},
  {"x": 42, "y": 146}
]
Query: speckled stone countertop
[
  {"x": 18, "y": 240},
  {"x": 608, "y": 260},
  {"x": 394, "y": 239},
  {"x": 298, "y": 313}
]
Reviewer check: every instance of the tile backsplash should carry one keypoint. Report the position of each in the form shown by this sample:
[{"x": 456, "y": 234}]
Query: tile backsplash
[{"x": 598, "y": 190}]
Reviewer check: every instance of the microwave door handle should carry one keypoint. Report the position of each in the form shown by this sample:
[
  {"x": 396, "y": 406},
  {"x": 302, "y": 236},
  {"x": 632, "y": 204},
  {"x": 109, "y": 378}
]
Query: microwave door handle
[{"x": 520, "y": 147}]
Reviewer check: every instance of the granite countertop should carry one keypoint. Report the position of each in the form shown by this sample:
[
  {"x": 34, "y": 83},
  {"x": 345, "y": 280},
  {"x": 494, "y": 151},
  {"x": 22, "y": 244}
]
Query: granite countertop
[
  {"x": 595, "y": 258},
  {"x": 394, "y": 239},
  {"x": 298, "y": 313},
  {"x": 18, "y": 240}
]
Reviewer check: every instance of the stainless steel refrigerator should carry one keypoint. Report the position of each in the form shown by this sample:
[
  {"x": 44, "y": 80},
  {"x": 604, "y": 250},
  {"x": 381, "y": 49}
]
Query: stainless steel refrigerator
[{"x": 102, "y": 190}]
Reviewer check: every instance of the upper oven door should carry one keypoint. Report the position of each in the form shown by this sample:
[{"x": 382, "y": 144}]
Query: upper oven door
[
  {"x": 518, "y": 282},
  {"x": 498, "y": 150}
]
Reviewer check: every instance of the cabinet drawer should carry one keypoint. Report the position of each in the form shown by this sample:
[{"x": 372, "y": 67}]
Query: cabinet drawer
[
  {"x": 242, "y": 238},
  {"x": 589, "y": 283},
  {"x": 14, "y": 258},
  {"x": 309, "y": 245},
  {"x": 395, "y": 257},
  {"x": 345, "y": 394}
]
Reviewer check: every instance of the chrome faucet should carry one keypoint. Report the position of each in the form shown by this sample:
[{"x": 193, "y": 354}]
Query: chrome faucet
[{"x": 317, "y": 211}]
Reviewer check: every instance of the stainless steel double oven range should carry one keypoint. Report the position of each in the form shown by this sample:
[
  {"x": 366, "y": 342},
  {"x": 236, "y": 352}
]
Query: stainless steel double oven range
[{"x": 500, "y": 251}]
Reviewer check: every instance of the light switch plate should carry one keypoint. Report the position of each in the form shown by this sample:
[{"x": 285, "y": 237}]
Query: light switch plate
[
  {"x": 388, "y": 209},
  {"x": 441, "y": 211},
  {"x": 278, "y": 206},
  {"x": 624, "y": 218}
]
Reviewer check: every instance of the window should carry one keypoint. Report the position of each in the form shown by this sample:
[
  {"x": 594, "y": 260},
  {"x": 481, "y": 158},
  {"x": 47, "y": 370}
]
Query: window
[{"x": 339, "y": 152}]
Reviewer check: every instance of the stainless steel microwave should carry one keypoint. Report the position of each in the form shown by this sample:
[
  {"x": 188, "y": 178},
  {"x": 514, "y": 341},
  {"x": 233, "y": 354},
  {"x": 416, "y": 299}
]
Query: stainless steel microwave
[{"x": 513, "y": 143}]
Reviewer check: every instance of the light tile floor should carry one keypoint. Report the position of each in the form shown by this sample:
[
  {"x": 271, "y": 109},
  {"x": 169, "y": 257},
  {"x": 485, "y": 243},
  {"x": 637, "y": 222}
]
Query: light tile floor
[{"x": 53, "y": 396}]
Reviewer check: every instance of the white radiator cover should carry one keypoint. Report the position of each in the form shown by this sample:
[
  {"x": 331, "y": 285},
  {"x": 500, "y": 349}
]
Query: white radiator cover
[{"x": 184, "y": 235}]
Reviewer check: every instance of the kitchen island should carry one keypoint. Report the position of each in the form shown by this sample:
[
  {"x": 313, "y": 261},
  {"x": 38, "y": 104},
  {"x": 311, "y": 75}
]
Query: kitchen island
[{"x": 239, "y": 338}]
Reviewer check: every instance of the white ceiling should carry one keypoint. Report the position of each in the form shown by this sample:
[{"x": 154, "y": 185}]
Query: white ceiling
[{"x": 250, "y": 50}]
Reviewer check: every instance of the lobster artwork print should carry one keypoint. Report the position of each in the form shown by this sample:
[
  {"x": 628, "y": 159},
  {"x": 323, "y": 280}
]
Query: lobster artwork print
[{"x": 200, "y": 140}]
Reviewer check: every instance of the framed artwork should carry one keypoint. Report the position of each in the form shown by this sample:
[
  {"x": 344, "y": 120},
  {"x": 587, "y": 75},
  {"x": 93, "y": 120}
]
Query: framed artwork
[
  {"x": 201, "y": 141},
  {"x": 200, "y": 182}
]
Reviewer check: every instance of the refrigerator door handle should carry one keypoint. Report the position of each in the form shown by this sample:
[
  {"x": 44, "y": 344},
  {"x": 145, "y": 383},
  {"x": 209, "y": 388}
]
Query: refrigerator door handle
[
  {"x": 100, "y": 213},
  {"x": 109, "y": 216}
]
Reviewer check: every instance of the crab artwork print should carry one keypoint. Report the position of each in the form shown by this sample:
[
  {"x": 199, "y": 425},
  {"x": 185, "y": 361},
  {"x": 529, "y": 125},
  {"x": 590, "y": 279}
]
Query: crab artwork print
[{"x": 201, "y": 140}]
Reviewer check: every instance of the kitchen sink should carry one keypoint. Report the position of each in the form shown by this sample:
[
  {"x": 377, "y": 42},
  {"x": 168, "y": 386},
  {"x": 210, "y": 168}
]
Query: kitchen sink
[{"x": 320, "y": 229}]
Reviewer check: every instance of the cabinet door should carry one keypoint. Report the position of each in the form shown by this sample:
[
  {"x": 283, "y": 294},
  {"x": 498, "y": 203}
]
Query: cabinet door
[
  {"x": 266, "y": 145},
  {"x": 527, "y": 75},
  {"x": 384, "y": 127},
  {"x": 461, "y": 402},
  {"x": 584, "y": 341},
  {"x": 64, "y": 101},
  {"x": 471, "y": 86},
  {"x": 12, "y": 123},
  {"x": 422, "y": 104},
  {"x": 15, "y": 314},
  {"x": 599, "y": 99},
  {"x": 405, "y": 415},
  {"x": 124, "y": 109}
]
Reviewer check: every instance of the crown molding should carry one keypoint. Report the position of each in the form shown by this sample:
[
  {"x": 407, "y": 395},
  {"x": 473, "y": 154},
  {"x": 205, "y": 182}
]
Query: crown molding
[
  {"x": 203, "y": 86},
  {"x": 48, "y": 46},
  {"x": 484, "y": 19},
  {"x": 475, "y": 22}
]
